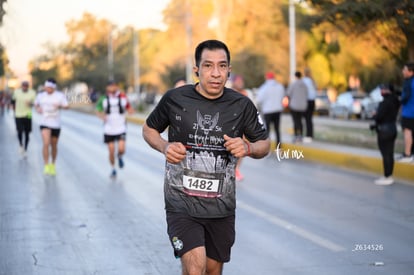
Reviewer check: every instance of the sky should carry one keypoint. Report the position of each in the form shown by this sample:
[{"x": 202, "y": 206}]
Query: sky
[{"x": 29, "y": 24}]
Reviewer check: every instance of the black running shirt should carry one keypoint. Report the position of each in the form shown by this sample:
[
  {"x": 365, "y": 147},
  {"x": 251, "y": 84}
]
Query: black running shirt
[{"x": 203, "y": 184}]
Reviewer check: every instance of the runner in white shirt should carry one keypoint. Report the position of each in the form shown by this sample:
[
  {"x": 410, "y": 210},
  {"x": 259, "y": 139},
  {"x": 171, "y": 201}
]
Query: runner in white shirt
[
  {"x": 112, "y": 108},
  {"x": 48, "y": 103}
]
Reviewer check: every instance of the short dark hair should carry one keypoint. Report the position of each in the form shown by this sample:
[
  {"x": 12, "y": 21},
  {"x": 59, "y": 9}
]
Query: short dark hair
[
  {"x": 298, "y": 74},
  {"x": 51, "y": 79},
  {"x": 210, "y": 45},
  {"x": 410, "y": 66}
]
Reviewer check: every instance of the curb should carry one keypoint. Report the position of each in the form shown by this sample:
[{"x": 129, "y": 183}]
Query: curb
[
  {"x": 404, "y": 171},
  {"x": 136, "y": 120}
]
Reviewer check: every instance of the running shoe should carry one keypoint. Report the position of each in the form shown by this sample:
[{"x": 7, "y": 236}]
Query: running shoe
[
  {"x": 405, "y": 159},
  {"x": 52, "y": 169},
  {"x": 384, "y": 181},
  {"x": 46, "y": 169},
  {"x": 307, "y": 140},
  {"x": 113, "y": 174},
  {"x": 121, "y": 162}
]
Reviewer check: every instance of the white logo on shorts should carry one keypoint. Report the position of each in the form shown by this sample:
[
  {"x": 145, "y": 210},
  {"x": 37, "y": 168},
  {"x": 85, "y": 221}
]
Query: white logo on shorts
[{"x": 177, "y": 243}]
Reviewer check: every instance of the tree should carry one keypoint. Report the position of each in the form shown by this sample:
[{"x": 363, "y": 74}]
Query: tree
[
  {"x": 42, "y": 68},
  {"x": 81, "y": 59},
  {"x": 388, "y": 20},
  {"x": 335, "y": 57},
  {"x": 251, "y": 66},
  {"x": 172, "y": 73},
  {"x": 260, "y": 27},
  {"x": 87, "y": 49},
  {"x": 51, "y": 64},
  {"x": 151, "y": 42}
]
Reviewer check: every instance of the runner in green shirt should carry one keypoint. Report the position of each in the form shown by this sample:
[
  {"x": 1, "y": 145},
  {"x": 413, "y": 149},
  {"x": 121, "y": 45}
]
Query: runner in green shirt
[{"x": 23, "y": 102}]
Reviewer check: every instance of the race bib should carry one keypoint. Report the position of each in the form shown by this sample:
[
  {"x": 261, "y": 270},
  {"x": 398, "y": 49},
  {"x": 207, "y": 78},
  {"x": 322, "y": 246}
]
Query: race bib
[
  {"x": 51, "y": 114},
  {"x": 202, "y": 184}
]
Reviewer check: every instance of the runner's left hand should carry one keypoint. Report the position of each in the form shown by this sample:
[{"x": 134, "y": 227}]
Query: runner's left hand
[{"x": 236, "y": 146}]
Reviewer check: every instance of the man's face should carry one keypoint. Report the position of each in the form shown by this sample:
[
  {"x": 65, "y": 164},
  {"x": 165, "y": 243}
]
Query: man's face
[
  {"x": 213, "y": 72},
  {"x": 406, "y": 72},
  {"x": 49, "y": 90},
  {"x": 112, "y": 88},
  {"x": 25, "y": 87}
]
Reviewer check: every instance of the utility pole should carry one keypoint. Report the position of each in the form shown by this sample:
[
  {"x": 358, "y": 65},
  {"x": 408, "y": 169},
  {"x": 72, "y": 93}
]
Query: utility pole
[
  {"x": 136, "y": 62},
  {"x": 2, "y": 11},
  {"x": 189, "y": 34},
  {"x": 292, "y": 36},
  {"x": 110, "y": 56}
]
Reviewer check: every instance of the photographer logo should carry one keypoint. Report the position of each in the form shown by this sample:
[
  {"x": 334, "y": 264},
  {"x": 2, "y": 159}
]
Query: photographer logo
[{"x": 282, "y": 154}]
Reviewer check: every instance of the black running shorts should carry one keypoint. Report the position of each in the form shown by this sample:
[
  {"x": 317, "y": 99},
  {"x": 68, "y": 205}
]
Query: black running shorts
[
  {"x": 113, "y": 138},
  {"x": 407, "y": 123},
  {"x": 23, "y": 124},
  {"x": 54, "y": 131},
  {"x": 216, "y": 235}
]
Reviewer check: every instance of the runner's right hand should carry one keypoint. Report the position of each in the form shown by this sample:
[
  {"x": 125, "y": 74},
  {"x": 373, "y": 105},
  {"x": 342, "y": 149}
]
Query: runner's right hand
[{"x": 175, "y": 152}]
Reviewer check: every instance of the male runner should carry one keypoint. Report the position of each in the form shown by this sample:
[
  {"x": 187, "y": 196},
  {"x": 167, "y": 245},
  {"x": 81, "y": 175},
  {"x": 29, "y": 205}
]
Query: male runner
[
  {"x": 48, "y": 103},
  {"x": 111, "y": 108},
  {"x": 206, "y": 123},
  {"x": 22, "y": 101}
]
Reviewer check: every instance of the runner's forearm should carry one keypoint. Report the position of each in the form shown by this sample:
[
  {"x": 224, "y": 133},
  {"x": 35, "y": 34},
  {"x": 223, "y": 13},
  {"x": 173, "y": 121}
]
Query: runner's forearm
[
  {"x": 259, "y": 149},
  {"x": 154, "y": 139}
]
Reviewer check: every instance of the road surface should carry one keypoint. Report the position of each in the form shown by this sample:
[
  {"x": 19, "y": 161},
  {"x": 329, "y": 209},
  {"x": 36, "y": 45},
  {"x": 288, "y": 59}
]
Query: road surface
[{"x": 293, "y": 216}]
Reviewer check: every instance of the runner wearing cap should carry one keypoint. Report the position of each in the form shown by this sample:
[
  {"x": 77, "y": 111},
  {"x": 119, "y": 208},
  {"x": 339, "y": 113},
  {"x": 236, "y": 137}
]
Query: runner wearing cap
[
  {"x": 22, "y": 101},
  {"x": 48, "y": 103},
  {"x": 111, "y": 108}
]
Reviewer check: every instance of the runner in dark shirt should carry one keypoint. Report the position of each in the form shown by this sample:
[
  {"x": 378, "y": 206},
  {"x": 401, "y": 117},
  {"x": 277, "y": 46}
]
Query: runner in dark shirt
[{"x": 206, "y": 123}]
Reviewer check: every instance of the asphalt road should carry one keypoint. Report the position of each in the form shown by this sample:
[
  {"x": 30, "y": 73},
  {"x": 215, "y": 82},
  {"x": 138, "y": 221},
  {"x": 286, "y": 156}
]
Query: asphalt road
[{"x": 293, "y": 217}]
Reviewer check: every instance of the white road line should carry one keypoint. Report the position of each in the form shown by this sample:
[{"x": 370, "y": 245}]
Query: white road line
[{"x": 292, "y": 228}]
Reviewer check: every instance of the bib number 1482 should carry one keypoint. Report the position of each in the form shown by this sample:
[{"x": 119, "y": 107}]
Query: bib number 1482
[{"x": 200, "y": 184}]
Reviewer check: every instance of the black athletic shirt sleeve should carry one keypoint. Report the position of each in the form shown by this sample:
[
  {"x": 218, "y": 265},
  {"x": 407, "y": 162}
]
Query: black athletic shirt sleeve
[
  {"x": 159, "y": 119},
  {"x": 254, "y": 127}
]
